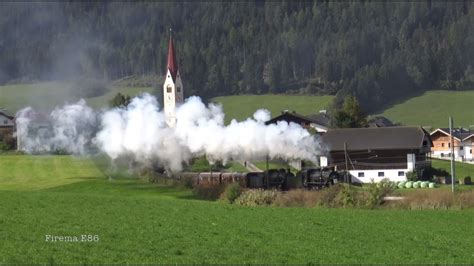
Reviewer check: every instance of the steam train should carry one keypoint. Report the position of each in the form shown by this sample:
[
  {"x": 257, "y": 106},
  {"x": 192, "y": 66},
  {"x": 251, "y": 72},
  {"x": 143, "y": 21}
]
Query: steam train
[{"x": 282, "y": 179}]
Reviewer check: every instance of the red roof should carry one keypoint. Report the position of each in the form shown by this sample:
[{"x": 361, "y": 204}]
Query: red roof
[{"x": 172, "y": 64}]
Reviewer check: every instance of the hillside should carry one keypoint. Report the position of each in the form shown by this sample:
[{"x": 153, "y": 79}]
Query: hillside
[
  {"x": 433, "y": 109},
  {"x": 376, "y": 50},
  {"x": 47, "y": 95},
  {"x": 243, "y": 106}
]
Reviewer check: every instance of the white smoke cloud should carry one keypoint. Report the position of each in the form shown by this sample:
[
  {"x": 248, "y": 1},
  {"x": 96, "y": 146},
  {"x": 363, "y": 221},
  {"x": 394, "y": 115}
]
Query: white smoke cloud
[
  {"x": 140, "y": 131},
  {"x": 69, "y": 128}
]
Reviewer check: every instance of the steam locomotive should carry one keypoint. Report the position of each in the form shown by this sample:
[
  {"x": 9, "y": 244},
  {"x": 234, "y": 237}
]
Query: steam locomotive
[{"x": 282, "y": 179}]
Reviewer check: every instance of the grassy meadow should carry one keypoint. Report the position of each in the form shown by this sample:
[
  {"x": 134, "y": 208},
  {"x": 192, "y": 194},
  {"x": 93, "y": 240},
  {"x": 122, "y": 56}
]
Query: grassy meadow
[
  {"x": 47, "y": 95},
  {"x": 462, "y": 169},
  {"x": 140, "y": 222},
  {"x": 433, "y": 109}
]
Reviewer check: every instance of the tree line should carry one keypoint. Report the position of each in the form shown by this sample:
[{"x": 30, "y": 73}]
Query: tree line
[{"x": 376, "y": 51}]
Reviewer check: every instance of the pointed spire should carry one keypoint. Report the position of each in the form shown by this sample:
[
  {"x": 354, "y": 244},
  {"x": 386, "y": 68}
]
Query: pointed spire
[{"x": 172, "y": 64}]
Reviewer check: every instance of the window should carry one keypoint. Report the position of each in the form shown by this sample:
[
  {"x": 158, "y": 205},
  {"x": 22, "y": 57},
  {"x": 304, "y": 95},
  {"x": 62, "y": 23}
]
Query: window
[
  {"x": 401, "y": 173},
  {"x": 461, "y": 148},
  {"x": 425, "y": 142},
  {"x": 449, "y": 145},
  {"x": 381, "y": 174},
  {"x": 178, "y": 89},
  {"x": 442, "y": 154},
  {"x": 442, "y": 144},
  {"x": 5, "y": 122},
  {"x": 169, "y": 89},
  {"x": 360, "y": 174}
]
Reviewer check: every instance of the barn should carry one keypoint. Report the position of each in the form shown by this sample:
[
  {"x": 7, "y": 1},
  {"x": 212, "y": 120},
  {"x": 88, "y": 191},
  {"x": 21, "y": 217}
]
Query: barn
[
  {"x": 378, "y": 153},
  {"x": 7, "y": 129}
]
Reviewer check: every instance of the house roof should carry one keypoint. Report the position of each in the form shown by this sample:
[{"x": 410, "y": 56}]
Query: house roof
[
  {"x": 292, "y": 117},
  {"x": 382, "y": 138},
  {"x": 7, "y": 116},
  {"x": 380, "y": 121},
  {"x": 172, "y": 63},
  {"x": 458, "y": 133},
  {"x": 322, "y": 119}
]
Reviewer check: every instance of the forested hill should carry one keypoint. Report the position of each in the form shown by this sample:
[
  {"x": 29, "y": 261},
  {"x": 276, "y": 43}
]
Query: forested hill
[{"x": 377, "y": 51}]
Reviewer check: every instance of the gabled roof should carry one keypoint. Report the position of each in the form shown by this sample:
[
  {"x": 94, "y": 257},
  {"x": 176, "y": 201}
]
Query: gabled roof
[
  {"x": 7, "y": 116},
  {"x": 458, "y": 133},
  {"x": 382, "y": 138},
  {"x": 322, "y": 119},
  {"x": 380, "y": 121},
  {"x": 172, "y": 63},
  {"x": 292, "y": 117}
]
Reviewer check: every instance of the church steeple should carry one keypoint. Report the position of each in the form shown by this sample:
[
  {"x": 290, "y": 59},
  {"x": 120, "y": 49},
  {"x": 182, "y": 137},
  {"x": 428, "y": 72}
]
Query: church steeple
[
  {"x": 173, "y": 94},
  {"x": 172, "y": 64}
]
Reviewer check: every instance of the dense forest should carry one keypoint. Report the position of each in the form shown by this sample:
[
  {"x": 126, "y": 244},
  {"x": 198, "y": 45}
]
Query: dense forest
[{"x": 374, "y": 50}]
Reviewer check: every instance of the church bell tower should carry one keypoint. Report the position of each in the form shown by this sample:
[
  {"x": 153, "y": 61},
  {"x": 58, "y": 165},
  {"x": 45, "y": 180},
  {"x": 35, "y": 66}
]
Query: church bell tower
[{"x": 173, "y": 87}]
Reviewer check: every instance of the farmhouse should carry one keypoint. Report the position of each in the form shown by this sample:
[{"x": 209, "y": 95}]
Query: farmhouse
[
  {"x": 463, "y": 143},
  {"x": 319, "y": 122},
  {"x": 7, "y": 128},
  {"x": 378, "y": 153}
]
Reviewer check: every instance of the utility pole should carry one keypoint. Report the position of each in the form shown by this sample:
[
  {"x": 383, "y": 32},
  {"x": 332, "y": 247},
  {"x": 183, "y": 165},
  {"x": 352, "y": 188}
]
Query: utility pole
[
  {"x": 266, "y": 172},
  {"x": 348, "y": 178},
  {"x": 453, "y": 179}
]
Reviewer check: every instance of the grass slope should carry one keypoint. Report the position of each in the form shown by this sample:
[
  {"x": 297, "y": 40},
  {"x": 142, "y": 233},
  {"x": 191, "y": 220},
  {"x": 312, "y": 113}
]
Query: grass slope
[
  {"x": 241, "y": 107},
  {"x": 462, "y": 169},
  {"x": 433, "y": 109},
  {"x": 47, "y": 95},
  {"x": 138, "y": 222}
]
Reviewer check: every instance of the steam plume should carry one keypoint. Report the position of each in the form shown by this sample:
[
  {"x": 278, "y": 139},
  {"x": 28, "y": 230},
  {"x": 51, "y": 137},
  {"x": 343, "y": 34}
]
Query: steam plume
[{"x": 141, "y": 131}]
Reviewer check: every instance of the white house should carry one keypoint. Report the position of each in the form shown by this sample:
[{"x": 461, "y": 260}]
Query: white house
[
  {"x": 377, "y": 153},
  {"x": 462, "y": 138}
]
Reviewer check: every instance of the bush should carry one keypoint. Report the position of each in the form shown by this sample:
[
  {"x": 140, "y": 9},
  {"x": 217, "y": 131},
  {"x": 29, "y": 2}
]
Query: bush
[
  {"x": 412, "y": 176},
  {"x": 232, "y": 192},
  {"x": 376, "y": 193},
  {"x": 208, "y": 191},
  {"x": 436, "y": 199},
  {"x": 256, "y": 197},
  {"x": 329, "y": 195},
  {"x": 298, "y": 198},
  {"x": 347, "y": 197}
]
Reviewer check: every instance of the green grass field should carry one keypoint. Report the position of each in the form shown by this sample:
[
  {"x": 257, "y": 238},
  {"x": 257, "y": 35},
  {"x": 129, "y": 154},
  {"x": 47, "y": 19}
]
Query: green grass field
[
  {"x": 433, "y": 109},
  {"x": 462, "y": 169},
  {"x": 47, "y": 95},
  {"x": 243, "y": 106},
  {"x": 139, "y": 222}
]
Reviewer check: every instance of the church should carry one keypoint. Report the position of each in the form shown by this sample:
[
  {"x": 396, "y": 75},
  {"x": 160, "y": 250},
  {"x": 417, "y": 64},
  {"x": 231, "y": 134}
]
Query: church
[{"x": 173, "y": 87}]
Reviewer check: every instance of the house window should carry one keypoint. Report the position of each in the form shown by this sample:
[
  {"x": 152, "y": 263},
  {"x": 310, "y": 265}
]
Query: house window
[
  {"x": 5, "y": 122},
  {"x": 442, "y": 144},
  {"x": 461, "y": 148},
  {"x": 401, "y": 173},
  {"x": 425, "y": 143},
  {"x": 178, "y": 89},
  {"x": 381, "y": 174},
  {"x": 169, "y": 89},
  {"x": 442, "y": 154},
  {"x": 449, "y": 145},
  {"x": 360, "y": 174}
]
